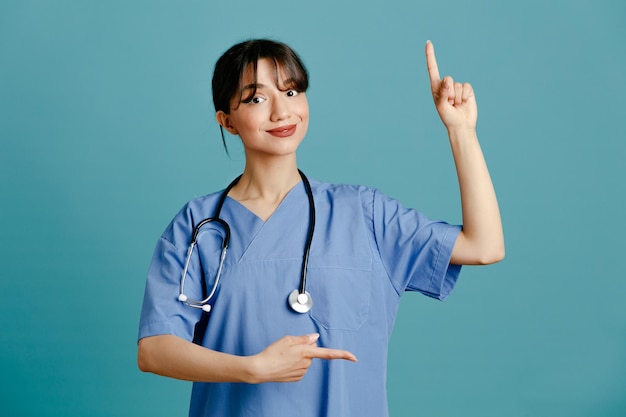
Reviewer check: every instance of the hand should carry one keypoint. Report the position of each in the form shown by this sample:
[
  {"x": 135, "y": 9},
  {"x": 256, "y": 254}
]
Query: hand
[
  {"x": 288, "y": 359},
  {"x": 455, "y": 102}
]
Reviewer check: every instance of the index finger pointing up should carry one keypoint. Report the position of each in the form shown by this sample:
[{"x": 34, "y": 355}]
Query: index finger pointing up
[{"x": 431, "y": 62}]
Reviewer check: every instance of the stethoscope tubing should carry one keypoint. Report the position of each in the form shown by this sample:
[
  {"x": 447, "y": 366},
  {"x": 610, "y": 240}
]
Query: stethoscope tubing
[
  {"x": 309, "y": 237},
  {"x": 201, "y": 303}
]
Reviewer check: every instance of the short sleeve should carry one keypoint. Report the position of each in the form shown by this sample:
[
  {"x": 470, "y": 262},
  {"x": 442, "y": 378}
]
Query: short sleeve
[
  {"x": 162, "y": 312},
  {"x": 415, "y": 251}
]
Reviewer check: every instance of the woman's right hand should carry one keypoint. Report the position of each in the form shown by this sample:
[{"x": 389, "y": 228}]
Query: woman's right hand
[
  {"x": 288, "y": 359},
  {"x": 285, "y": 360}
]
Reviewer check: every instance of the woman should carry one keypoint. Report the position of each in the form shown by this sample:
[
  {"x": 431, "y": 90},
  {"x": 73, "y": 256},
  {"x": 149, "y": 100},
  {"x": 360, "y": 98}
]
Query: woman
[{"x": 314, "y": 271}]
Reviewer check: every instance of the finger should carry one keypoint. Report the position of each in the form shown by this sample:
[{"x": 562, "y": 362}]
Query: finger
[
  {"x": 431, "y": 63},
  {"x": 458, "y": 94},
  {"x": 468, "y": 91},
  {"x": 295, "y": 374},
  {"x": 446, "y": 91},
  {"x": 325, "y": 353}
]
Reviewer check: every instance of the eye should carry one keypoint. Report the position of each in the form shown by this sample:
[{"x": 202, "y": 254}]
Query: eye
[
  {"x": 253, "y": 100},
  {"x": 292, "y": 93}
]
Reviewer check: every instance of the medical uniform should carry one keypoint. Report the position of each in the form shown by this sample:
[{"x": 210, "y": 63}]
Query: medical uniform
[{"x": 367, "y": 250}]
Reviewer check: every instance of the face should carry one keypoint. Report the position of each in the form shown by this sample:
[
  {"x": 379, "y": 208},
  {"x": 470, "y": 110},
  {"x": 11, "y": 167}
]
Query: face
[{"x": 274, "y": 120}]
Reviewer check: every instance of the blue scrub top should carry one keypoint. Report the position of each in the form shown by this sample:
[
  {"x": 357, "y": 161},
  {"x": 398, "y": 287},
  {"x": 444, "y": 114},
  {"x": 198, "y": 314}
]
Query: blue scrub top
[{"x": 367, "y": 250}]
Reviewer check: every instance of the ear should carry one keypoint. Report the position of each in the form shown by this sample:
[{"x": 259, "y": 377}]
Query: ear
[{"x": 224, "y": 120}]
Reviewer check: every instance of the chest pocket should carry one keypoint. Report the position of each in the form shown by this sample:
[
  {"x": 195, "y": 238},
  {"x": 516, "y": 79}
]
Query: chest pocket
[{"x": 341, "y": 292}]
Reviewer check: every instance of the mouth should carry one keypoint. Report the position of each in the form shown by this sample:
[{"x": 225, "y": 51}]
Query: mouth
[{"x": 283, "y": 131}]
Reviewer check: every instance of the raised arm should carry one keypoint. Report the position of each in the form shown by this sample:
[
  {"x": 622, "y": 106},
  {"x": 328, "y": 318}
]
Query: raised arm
[
  {"x": 285, "y": 360},
  {"x": 481, "y": 241}
]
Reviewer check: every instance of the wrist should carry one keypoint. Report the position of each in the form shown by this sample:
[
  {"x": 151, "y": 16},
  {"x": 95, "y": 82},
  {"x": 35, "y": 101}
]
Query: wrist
[
  {"x": 252, "y": 371},
  {"x": 461, "y": 128},
  {"x": 462, "y": 133}
]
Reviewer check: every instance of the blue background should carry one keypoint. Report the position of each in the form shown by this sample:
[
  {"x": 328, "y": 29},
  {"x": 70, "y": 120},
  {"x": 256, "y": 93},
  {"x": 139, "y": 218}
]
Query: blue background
[{"x": 107, "y": 128}]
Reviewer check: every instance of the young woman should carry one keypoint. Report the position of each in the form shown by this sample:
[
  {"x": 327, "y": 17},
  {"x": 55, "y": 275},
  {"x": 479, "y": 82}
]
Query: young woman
[{"x": 314, "y": 272}]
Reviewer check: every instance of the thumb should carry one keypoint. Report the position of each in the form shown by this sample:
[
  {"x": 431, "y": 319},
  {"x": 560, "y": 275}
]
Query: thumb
[
  {"x": 312, "y": 338},
  {"x": 307, "y": 339}
]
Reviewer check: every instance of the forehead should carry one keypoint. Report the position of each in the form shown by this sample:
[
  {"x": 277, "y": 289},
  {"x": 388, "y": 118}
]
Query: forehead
[{"x": 267, "y": 71}]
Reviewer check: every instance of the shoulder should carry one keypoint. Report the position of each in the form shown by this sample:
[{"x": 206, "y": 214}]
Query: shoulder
[
  {"x": 368, "y": 198},
  {"x": 325, "y": 191},
  {"x": 190, "y": 214},
  {"x": 202, "y": 206}
]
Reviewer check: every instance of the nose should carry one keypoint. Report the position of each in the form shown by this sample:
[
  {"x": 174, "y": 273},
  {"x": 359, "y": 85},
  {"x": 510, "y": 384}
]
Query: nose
[{"x": 280, "y": 109}]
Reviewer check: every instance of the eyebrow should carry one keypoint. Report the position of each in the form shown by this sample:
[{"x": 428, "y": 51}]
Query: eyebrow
[
  {"x": 287, "y": 84},
  {"x": 253, "y": 86}
]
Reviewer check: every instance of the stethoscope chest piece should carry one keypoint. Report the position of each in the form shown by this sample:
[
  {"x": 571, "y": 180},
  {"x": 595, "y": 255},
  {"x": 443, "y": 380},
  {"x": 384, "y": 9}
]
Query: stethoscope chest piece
[{"x": 300, "y": 302}]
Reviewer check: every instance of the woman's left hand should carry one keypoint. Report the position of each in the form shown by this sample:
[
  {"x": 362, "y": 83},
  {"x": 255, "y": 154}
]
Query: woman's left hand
[{"x": 455, "y": 102}]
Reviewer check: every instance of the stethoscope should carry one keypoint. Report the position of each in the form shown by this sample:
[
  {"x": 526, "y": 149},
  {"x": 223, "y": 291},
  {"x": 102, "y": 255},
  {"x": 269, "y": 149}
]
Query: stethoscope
[{"x": 299, "y": 299}]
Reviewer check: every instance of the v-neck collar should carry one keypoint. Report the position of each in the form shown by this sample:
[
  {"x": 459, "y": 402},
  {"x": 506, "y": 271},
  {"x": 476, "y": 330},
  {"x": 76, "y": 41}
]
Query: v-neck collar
[
  {"x": 289, "y": 221},
  {"x": 240, "y": 207}
]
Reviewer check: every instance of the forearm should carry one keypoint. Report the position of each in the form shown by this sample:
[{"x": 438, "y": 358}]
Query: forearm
[
  {"x": 174, "y": 357},
  {"x": 482, "y": 240},
  {"x": 285, "y": 360}
]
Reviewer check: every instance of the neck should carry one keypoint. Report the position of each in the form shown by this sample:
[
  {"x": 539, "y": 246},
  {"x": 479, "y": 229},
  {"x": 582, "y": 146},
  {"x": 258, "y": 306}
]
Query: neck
[{"x": 269, "y": 182}]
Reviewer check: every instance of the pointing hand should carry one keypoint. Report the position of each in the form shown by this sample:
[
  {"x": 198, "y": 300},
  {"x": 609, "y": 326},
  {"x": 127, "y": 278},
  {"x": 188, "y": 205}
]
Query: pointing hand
[
  {"x": 288, "y": 359},
  {"x": 455, "y": 102}
]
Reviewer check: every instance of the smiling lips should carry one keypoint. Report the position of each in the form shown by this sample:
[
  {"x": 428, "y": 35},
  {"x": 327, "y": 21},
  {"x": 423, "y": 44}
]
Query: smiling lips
[{"x": 283, "y": 131}]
